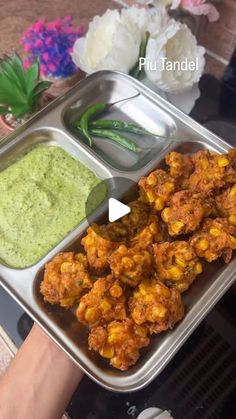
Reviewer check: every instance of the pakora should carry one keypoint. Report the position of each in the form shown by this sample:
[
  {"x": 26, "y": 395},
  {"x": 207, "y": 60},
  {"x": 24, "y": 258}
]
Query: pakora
[
  {"x": 131, "y": 265},
  {"x": 217, "y": 238},
  {"x": 177, "y": 264},
  {"x": 181, "y": 167},
  {"x": 226, "y": 204},
  {"x": 120, "y": 342},
  {"x": 100, "y": 243},
  {"x": 152, "y": 233},
  {"x": 65, "y": 278},
  {"x": 137, "y": 219},
  {"x": 212, "y": 171},
  {"x": 186, "y": 211},
  {"x": 157, "y": 188},
  {"x": 106, "y": 301},
  {"x": 156, "y": 306}
]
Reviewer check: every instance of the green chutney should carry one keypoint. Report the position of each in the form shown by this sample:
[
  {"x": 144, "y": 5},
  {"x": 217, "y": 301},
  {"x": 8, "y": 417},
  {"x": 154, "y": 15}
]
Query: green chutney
[{"x": 42, "y": 199}]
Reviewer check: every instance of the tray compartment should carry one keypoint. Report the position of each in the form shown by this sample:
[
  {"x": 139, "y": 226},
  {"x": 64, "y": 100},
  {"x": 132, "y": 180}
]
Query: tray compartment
[
  {"x": 139, "y": 110},
  {"x": 197, "y": 301},
  {"x": 50, "y": 137}
]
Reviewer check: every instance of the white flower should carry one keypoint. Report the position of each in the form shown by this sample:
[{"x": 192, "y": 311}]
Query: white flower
[
  {"x": 148, "y": 20},
  {"x": 111, "y": 43},
  {"x": 175, "y": 43},
  {"x": 157, "y": 3},
  {"x": 138, "y": 16}
]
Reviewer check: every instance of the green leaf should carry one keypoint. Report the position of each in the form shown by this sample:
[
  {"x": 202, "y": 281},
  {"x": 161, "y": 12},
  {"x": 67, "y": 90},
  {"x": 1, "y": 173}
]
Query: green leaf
[
  {"x": 143, "y": 45},
  {"x": 19, "y": 110},
  {"x": 143, "y": 48},
  {"x": 10, "y": 93},
  {"x": 32, "y": 75},
  {"x": 10, "y": 90},
  {"x": 135, "y": 71},
  {"x": 9, "y": 72},
  {"x": 40, "y": 87},
  {"x": 19, "y": 69}
]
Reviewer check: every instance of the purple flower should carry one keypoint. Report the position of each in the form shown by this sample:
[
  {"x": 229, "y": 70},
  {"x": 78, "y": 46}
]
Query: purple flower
[
  {"x": 38, "y": 43},
  {"x": 51, "y": 43}
]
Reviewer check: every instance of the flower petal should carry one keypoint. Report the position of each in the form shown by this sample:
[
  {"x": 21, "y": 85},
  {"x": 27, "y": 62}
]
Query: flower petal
[
  {"x": 204, "y": 9},
  {"x": 111, "y": 43},
  {"x": 175, "y": 43}
]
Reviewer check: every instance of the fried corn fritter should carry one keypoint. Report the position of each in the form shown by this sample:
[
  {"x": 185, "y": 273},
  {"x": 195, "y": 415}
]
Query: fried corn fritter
[
  {"x": 226, "y": 204},
  {"x": 177, "y": 264},
  {"x": 120, "y": 342},
  {"x": 152, "y": 233},
  {"x": 212, "y": 171},
  {"x": 65, "y": 278},
  {"x": 157, "y": 188},
  {"x": 181, "y": 167},
  {"x": 217, "y": 238},
  {"x": 98, "y": 243},
  {"x": 105, "y": 302},
  {"x": 137, "y": 219},
  {"x": 186, "y": 211},
  {"x": 156, "y": 306},
  {"x": 130, "y": 266}
]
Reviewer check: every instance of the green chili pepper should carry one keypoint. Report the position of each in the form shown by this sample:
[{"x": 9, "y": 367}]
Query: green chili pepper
[
  {"x": 118, "y": 125},
  {"x": 111, "y": 135},
  {"x": 94, "y": 110},
  {"x": 88, "y": 114},
  {"x": 114, "y": 136}
]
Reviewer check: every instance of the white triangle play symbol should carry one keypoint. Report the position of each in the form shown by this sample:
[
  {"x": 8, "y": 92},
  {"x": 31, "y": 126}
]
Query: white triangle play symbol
[{"x": 116, "y": 209}]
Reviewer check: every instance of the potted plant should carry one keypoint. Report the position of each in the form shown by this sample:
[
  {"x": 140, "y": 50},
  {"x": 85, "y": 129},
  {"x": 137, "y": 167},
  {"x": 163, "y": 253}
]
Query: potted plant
[{"x": 21, "y": 91}]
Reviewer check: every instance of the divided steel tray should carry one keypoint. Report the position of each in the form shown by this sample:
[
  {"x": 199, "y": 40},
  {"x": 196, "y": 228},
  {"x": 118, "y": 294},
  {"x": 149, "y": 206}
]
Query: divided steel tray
[{"x": 107, "y": 160}]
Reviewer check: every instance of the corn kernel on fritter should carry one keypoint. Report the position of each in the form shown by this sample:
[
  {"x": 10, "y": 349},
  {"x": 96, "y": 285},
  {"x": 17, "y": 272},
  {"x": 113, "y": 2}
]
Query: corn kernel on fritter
[
  {"x": 157, "y": 188},
  {"x": 65, "y": 277},
  {"x": 212, "y": 171},
  {"x": 156, "y": 306},
  {"x": 120, "y": 342},
  {"x": 100, "y": 243},
  {"x": 217, "y": 238},
  {"x": 186, "y": 211},
  {"x": 105, "y": 302},
  {"x": 226, "y": 204},
  {"x": 177, "y": 264},
  {"x": 130, "y": 266}
]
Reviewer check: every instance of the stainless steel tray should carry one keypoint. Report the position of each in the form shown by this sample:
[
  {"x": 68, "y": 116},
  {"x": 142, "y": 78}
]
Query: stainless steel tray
[{"x": 51, "y": 125}]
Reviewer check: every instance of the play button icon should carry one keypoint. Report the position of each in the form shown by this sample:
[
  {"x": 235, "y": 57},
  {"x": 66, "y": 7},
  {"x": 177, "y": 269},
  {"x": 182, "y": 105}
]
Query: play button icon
[
  {"x": 117, "y": 210},
  {"x": 112, "y": 209}
]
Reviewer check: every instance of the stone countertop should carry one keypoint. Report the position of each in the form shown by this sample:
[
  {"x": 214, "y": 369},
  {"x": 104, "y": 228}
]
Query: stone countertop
[{"x": 16, "y": 16}]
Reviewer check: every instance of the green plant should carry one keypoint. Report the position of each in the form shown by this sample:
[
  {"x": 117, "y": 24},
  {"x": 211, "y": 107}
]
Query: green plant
[{"x": 20, "y": 89}]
